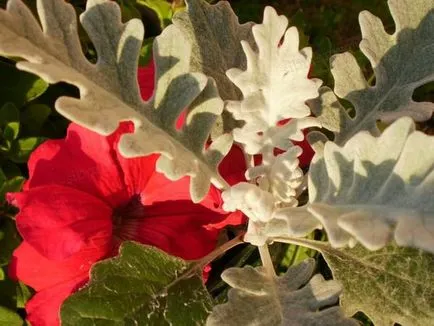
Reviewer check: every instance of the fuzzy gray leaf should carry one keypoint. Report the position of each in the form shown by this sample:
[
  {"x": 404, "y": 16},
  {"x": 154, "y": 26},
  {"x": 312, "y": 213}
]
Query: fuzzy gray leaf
[
  {"x": 109, "y": 91},
  {"x": 275, "y": 87},
  {"x": 216, "y": 36},
  {"x": 392, "y": 285},
  {"x": 371, "y": 190},
  {"x": 401, "y": 62},
  {"x": 293, "y": 299}
]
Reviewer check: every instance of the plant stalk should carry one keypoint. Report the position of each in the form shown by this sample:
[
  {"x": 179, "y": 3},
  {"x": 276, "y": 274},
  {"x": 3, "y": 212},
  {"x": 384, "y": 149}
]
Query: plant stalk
[
  {"x": 267, "y": 262},
  {"x": 311, "y": 244}
]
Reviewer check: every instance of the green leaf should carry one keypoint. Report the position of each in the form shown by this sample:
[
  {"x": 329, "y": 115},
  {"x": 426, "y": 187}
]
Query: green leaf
[
  {"x": 19, "y": 87},
  {"x": 9, "y": 318},
  {"x": 9, "y": 113},
  {"x": 8, "y": 291},
  {"x": 296, "y": 298},
  {"x": 322, "y": 47},
  {"x": 10, "y": 131},
  {"x": 391, "y": 285},
  {"x": 401, "y": 62},
  {"x": 142, "y": 286},
  {"x": 9, "y": 242},
  {"x": 10, "y": 121},
  {"x": 23, "y": 295},
  {"x": 10, "y": 169},
  {"x": 162, "y": 8},
  {"x": 3, "y": 177},
  {"x": 34, "y": 117},
  {"x": 146, "y": 52},
  {"x": 13, "y": 295},
  {"x": 23, "y": 147},
  {"x": 11, "y": 185},
  {"x": 38, "y": 88},
  {"x": 296, "y": 254},
  {"x": 128, "y": 10}
]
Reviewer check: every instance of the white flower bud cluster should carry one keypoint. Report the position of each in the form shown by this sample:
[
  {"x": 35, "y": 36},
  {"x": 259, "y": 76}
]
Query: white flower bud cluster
[{"x": 256, "y": 203}]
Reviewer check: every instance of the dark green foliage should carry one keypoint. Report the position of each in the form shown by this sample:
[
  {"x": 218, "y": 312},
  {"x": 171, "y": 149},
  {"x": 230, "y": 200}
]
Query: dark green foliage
[{"x": 144, "y": 286}]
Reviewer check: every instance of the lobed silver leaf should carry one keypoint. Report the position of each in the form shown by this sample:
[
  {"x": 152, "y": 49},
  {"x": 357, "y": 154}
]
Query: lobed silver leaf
[
  {"x": 401, "y": 62},
  {"x": 295, "y": 298},
  {"x": 215, "y": 27},
  {"x": 109, "y": 91},
  {"x": 215, "y": 35},
  {"x": 371, "y": 190},
  {"x": 392, "y": 285},
  {"x": 275, "y": 87}
]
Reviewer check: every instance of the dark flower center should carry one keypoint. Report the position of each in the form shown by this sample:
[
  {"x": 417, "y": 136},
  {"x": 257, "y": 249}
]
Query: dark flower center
[{"x": 125, "y": 220}]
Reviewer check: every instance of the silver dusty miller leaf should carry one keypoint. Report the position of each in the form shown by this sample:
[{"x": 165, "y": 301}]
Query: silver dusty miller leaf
[
  {"x": 108, "y": 89},
  {"x": 401, "y": 62},
  {"x": 215, "y": 35},
  {"x": 275, "y": 87},
  {"x": 392, "y": 285},
  {"x": 293, "y": 299},
  {"x": 371, "y": 190}
]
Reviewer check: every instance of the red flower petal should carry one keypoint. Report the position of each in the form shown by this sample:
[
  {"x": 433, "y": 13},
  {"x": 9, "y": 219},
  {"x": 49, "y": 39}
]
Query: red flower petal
[
  {"x": 137, "y": 172},
  {"x": 146, "y": 80},
  {"x": 58, "y": 221},
  {"x": 233, "y": 167},
  {"x": 181, "y": 120},
  {"x": 43, "y": 308},
  {"x": 306, "y": 156},
  {"x": 159, "y": 188},
  {"x": 205, "y": 273},
  {"x": 29, "y": 266},
  {"x": 84, "y": 160},
  {"x": 53, "y": 280},
  {"x": 235, "y": 218},
  {"x": 178, "y": 227},
  {"x": 67, "y": 209}
]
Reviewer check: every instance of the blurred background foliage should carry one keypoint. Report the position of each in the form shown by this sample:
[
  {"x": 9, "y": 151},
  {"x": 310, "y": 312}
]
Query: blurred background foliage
[{"x": 28, "y": 117}]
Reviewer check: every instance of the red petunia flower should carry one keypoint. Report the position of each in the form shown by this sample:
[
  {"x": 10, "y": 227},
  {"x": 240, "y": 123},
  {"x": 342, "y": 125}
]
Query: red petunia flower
[{"x": 83, "y": 199}]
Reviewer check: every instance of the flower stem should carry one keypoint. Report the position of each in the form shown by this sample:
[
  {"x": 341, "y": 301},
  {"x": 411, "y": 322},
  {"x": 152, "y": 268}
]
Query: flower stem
[
  {"x": 311, "y": 244},
  {"x": 267, "y": 156},
  {"x": 200, "y": 264},
  {"x": 220, "y": 250},
  {"x": 267, "y": 262}
]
